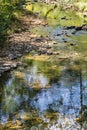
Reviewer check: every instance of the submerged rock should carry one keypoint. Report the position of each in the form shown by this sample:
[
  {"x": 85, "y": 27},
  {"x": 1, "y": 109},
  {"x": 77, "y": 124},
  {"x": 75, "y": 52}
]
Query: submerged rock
[{"x": 1, "y": 127}]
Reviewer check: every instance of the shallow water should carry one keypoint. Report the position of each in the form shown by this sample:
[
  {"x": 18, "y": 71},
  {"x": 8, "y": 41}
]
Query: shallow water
[
  {"x": 48, "y": 94},
  {"x": 44, "y": 95}
]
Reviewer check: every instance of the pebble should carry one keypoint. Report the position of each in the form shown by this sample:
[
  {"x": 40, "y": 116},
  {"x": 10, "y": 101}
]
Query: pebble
[{"x": 23, "y": 42}]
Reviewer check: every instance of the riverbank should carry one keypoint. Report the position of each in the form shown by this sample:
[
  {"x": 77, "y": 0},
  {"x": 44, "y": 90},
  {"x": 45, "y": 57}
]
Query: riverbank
[
  {"x": 52, "y": 73},
  {"x": 24, "y": 41},
  {"x": 21, "y": 43}
]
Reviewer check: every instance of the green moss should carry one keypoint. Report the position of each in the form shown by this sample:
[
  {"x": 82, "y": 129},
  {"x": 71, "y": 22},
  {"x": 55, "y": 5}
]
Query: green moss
[{"x": 55, "y": 14}]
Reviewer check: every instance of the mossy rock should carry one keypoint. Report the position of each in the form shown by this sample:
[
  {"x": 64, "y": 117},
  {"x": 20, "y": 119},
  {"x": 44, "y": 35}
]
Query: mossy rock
[
  {"x": 54, "y": 14},
  {"x": 47, "y": 9},
  {"x": 40, "y": 8},
  {"x": 29, "y": 7},
  {"x": 37, "y": 8}
]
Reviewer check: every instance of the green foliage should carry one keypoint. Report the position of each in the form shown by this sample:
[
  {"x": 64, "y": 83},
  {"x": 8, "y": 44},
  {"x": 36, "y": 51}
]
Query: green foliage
[{"x": 7, "y": 14}]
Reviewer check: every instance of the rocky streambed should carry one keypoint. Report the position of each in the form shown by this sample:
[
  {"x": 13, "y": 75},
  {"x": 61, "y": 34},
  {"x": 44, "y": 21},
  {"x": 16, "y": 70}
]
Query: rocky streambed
[
  {"x": 23, "y": 42},
  {"x": 17, "y": 45},
  {"x": 42, "y": 91}
]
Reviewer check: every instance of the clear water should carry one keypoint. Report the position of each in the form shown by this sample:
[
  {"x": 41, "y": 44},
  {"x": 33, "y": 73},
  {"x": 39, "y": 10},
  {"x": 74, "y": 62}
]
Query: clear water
[
  {"x": 43, "y": 96},
  {"x": 48, "y": 94}
]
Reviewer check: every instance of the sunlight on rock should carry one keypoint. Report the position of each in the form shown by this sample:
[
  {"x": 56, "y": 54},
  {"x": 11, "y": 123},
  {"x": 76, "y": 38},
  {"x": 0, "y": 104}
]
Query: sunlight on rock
[
  {"x": 38, "y": 119},
  {"x": 15, "y": 127},
  {"x": 19, "y": 74},
  {"x": 81, "y": 5},
  {"x": 29, "y": 7},
  {"x": 38, "y": 86},
  {"x": 37, "y": 58},
  {"x": 55, "y": 15},
  {"x": 25, "y": 117}
]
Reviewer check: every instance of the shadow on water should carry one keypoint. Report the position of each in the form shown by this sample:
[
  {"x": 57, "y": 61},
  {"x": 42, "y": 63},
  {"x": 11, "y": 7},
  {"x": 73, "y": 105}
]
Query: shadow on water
[
  {"x": 48, "y": 95},
  {"x": 44, "y": 95}
]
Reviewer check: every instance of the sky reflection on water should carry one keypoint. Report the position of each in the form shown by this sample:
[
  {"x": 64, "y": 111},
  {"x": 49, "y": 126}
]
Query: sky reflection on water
[{"x": 30, "y": 88}]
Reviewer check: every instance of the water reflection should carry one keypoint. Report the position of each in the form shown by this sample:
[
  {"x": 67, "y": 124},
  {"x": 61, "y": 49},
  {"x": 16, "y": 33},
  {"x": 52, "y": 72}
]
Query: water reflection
[
  {"x": 28, "y": 91},
  {"x": 63, "y": 96}
]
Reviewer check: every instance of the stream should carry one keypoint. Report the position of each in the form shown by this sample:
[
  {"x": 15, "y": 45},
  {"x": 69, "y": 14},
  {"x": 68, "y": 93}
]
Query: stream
[{"x": 47, "y": 94}]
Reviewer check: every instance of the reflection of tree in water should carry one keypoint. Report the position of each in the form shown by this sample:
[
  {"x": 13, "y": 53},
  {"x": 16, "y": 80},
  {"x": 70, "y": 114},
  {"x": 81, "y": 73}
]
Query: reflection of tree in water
[
  {"x": 49, "y": 70},
  {"x": 65, "y": 95},
  {"x": 3, "y": 80},
  {"x": 83, "y": 97},
  {"x": 46, "y": 68},
  {"x": 21, "y": 93},
  {"x": 69, "y": 77},
  {"x": 16, "y": 95},
  {"x": 57, "y": 98},
  {"x": 5, "y": 77}
]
